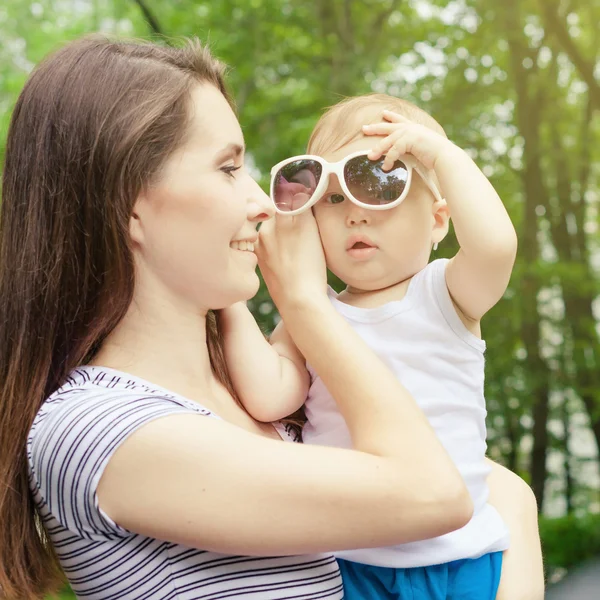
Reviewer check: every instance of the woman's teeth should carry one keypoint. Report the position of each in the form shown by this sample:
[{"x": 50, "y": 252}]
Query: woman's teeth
[{"x": 243, "y": 245}]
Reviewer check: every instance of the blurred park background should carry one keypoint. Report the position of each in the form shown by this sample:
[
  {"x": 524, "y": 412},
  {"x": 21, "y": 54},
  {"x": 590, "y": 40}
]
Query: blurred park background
[{"x": 517, "y": 84}]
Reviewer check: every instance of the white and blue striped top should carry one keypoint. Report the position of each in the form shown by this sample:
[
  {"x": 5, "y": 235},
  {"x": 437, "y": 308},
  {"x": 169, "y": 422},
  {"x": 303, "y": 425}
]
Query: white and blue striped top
[{"x": 70, "y": 443}]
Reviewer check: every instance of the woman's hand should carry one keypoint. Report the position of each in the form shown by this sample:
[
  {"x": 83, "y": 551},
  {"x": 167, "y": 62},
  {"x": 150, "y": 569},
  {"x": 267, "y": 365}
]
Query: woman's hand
[{"x": 291, "y": 259}]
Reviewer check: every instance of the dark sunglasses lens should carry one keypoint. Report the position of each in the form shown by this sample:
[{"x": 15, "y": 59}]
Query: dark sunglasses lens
[
  {"x": 369, "y": 183},
  {"x": 295, "y": 183}
]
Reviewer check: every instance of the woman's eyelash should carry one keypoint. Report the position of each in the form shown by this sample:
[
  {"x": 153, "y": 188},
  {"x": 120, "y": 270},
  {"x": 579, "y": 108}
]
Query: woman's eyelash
[{"x": 230, "y": 170}]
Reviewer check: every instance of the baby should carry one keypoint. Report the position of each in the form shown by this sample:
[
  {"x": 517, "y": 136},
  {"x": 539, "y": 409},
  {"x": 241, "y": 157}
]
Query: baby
[{"x": 382, "y": 195}]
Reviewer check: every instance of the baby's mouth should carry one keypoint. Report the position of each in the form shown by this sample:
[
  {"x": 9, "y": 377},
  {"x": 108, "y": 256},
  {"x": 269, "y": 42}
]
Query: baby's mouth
[
  {"x": 361, "y": 250},
  {"x": 360, "y": 245}
]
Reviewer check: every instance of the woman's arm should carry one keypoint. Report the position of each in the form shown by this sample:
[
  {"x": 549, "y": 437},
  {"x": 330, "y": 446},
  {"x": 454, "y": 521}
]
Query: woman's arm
[
  {"x": 211, "y": 485},
  {"x": 207, "y": 484}
]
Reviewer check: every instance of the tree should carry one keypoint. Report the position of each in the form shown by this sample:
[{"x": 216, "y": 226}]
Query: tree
[{"x": 512, "y": 83}]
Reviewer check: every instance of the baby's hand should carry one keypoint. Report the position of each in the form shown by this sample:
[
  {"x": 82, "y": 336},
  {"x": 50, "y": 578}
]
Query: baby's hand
[{"x": 405, "y": 137}]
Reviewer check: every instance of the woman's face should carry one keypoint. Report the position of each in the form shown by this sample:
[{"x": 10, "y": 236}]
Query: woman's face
[{"x": 193, "y": 229}]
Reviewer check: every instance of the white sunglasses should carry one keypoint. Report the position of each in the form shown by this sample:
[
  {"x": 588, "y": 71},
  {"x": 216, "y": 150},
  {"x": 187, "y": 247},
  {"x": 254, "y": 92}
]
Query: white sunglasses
[{"x": 299, "y": 182}]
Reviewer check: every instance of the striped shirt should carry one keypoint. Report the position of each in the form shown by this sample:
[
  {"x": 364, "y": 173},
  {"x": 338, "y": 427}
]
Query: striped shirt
[{"x": 76, "y": 431}]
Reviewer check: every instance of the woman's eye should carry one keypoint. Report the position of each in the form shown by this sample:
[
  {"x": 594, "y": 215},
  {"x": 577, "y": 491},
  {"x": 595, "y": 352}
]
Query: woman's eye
[
  {"x": 334, "y": 199},
  {"x": 230, "y": 170}
]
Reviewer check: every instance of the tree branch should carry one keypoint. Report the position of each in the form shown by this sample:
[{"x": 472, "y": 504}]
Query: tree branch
[
  {"x": 346, "y": 30},
  {"x": 585, "y": 160},
  {"x": 384, "y": 16},
  {"x": 556, "y": 26},
  {"x": 150, "y": 18}
]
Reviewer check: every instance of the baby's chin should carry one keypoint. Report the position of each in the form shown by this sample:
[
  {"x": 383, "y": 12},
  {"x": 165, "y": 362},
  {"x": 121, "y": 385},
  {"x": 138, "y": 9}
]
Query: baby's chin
[{"x": 364, "y": 282}]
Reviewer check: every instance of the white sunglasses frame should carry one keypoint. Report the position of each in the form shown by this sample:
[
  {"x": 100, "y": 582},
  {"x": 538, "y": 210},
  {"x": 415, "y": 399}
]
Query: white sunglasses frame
[{"x": 337, "y": 168}]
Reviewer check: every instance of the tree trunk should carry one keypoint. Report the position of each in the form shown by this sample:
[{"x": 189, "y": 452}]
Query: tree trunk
[{"x": 528, "y": 113}]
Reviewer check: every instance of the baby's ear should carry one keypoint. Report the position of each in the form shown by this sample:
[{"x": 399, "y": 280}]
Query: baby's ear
[{"x": 441, "y": 220}]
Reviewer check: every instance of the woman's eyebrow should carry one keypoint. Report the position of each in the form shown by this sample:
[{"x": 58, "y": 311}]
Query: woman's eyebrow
[{"x": 234, "y": 150}]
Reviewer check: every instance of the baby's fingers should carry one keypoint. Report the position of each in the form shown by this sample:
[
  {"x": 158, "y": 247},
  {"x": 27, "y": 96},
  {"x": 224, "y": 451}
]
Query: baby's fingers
[
  {"x": 392, "y": 155},
  {"x": 380, "y": 128},
  {"x": 393, "y": 117},
  {"x": 384, "y": 146}
]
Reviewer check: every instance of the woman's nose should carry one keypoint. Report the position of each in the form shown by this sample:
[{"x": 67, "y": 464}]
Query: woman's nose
[{"x": 260, "y": 207}]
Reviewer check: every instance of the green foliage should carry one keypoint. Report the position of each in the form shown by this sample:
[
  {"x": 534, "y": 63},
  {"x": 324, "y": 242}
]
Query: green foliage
[
  {"x": 509, "y": 82},
  {"x": 569, "y": 541},
  {"x": 66, "y": 594}
]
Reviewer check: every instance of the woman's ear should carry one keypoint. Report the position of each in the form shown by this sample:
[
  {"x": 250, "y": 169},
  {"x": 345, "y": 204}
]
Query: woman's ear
[
  {"x": 136, "y": 231},
  {"x": 441, "y": 221}
]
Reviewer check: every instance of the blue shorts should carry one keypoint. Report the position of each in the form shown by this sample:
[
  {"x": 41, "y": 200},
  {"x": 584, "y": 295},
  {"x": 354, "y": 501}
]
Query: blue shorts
[{"x": 476, "y": 579}]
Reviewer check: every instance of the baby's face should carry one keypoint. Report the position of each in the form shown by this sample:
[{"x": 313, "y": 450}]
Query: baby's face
[{"x": 374, "y": 249}]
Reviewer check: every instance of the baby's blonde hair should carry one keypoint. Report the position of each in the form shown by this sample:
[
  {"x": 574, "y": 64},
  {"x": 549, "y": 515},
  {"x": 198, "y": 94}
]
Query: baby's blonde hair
[{"x": 342, "y": 123}]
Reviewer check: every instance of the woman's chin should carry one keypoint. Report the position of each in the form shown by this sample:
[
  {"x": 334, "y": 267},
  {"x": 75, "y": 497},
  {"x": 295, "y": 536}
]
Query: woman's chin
[
  {"x": 246, "y": 288},
  {"x": 253, "y": 287}
]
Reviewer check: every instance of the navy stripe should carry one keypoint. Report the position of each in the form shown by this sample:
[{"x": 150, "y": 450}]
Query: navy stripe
[{"x": 70, "y": 442}]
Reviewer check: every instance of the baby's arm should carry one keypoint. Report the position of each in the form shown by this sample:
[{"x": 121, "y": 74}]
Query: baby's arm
[
  {"x": 270, "y": 379},
  {"x": 522, "y": 565},
  {"x": 478, "y": 275}
]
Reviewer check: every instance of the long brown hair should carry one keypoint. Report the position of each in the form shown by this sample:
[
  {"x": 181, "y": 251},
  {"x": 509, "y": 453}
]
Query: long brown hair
[{"x": 93, "y": 125}]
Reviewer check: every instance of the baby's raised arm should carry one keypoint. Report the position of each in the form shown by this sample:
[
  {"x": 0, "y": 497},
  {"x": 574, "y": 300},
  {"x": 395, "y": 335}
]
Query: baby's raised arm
[
  {"x": 270, "y": 379},
  {"x": 478, "y": 275}
]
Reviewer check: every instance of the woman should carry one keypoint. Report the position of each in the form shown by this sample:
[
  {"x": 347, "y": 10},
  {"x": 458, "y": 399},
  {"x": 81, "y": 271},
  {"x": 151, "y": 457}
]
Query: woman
[{"x": 127, "y": 217}]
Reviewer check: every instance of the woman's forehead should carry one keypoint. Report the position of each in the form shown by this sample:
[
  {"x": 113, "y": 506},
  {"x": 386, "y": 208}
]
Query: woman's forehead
[{"x": 213, "y": 124}]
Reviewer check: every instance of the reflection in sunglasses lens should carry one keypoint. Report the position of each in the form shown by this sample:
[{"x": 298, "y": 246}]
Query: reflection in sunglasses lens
[
  {"x": 369, "y": 183},
  {"x": 295, "y": 183}
]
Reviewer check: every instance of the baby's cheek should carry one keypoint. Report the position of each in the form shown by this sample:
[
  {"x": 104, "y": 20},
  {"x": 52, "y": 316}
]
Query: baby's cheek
[{"x": 327, "y": 233}]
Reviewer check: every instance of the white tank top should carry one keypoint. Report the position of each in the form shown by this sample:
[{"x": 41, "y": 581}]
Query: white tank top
[{"x": 422, "y": 339}]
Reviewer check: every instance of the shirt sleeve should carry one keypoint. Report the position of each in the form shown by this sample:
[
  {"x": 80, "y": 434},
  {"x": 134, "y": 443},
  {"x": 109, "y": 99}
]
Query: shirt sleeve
[
  {"x": 433, "y": 281},
  {"x": 70, "y": 445}
]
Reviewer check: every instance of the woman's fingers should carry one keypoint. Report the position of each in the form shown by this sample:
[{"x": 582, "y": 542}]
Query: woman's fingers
[{"x": 291, "y": 256}]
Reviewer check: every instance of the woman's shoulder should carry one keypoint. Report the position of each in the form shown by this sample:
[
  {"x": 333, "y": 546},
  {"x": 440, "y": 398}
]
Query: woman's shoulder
[
  {"x": 116, "y": 390},
  {"x": 99, "y": 407},
  {"x": 78, "y": 429}
]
